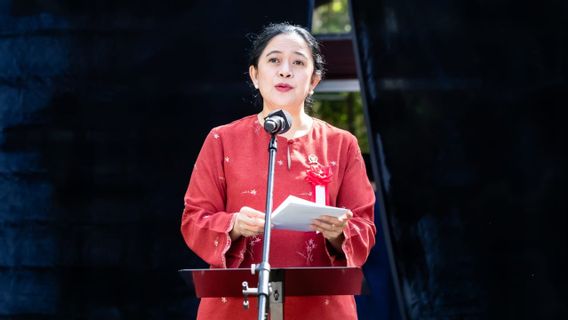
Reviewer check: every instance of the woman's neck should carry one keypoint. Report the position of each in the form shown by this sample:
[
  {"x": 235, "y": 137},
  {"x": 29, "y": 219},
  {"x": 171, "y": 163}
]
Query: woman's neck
[{"x": 301, "y": 122}]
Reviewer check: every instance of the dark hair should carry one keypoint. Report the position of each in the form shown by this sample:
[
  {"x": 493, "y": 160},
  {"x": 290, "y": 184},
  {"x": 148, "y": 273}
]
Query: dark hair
[{"x": 260, "y": 41}]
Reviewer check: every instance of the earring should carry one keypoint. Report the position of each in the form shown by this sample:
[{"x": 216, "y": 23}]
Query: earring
[
  {"x": 312, "y": 93},
  {"x": 256, "y": 86}
]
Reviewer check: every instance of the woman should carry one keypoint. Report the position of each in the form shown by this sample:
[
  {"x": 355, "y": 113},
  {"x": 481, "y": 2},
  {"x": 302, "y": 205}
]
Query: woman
[{"x": 223, "y": 217}]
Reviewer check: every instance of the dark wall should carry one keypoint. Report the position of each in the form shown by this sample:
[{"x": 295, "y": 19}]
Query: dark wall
[
  {"x": 467, "y": 105},
  {"x": 103, "y": 108}
]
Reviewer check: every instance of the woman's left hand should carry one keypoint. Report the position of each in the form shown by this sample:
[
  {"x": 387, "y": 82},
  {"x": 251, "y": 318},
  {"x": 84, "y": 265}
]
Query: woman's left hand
[{"x": 332, "y": 228}]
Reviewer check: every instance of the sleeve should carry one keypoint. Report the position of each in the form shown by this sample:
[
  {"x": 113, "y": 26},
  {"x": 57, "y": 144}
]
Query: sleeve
[
  {"x": 205, "y": 225},
  {"x": 356, "y": 194}
]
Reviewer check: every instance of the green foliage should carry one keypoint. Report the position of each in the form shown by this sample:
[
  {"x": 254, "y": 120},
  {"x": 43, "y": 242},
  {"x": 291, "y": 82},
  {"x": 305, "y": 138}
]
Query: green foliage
[
  {"x": 343, "y": 110},
  {"x": 332, "y": 17}
]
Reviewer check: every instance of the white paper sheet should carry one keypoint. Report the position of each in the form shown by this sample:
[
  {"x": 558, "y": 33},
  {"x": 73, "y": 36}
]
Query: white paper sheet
[{"x": 297, "y": 214}]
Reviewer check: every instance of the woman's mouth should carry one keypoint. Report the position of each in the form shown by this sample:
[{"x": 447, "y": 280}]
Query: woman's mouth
[{"x": 283, "y": 87}]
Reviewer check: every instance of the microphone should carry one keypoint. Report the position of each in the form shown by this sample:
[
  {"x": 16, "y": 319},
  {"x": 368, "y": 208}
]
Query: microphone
[{"x": 277, "y": 122}]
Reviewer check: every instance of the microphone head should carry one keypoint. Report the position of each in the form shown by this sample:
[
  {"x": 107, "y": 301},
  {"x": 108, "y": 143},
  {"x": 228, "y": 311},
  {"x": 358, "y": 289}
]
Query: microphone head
[{"x": 278, "y": 122}]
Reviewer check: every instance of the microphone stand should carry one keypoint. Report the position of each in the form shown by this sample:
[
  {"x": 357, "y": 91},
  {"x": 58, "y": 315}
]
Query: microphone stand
[
  {"x": 276, "y": 122},
  {"x": 263, "y": 289},
  {"x": 264, "y": 267}
]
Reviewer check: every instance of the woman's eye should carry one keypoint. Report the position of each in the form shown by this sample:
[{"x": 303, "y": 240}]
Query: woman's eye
[
  {"x": 273, "y": 60},
  {"x": 299, "y": 62}
]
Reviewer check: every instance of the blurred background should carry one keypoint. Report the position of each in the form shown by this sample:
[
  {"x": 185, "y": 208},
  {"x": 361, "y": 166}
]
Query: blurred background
[{"x": 459, "y": 108}]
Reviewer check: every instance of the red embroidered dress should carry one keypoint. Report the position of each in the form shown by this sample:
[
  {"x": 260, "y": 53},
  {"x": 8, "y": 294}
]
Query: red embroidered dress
[{"x": 230, "y": 173}]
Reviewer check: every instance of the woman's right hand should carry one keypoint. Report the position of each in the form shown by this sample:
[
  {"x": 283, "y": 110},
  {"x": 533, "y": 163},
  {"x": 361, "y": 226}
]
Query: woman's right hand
[{"x": 249, "y": 222}]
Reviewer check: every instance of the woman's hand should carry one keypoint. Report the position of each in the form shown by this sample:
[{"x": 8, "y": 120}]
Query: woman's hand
[
  {"x": 332, "y": 228},
  {"x": 249, "y": 222}
]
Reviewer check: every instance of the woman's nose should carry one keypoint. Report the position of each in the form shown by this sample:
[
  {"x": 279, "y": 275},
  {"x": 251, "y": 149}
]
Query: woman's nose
[{"x": 285, "y": 71}]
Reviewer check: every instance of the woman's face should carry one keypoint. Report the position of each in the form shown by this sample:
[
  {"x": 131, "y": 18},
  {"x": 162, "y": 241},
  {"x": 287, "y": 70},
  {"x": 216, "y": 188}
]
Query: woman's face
[{"x": 285, "y": 73}]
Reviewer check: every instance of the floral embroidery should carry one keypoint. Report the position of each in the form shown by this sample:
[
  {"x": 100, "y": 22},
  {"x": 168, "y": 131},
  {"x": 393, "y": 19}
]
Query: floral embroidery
[
  {"x": 227, "y": 246},
  {"x": 251, "y": 192},
  {"x": 223, "y": 299},
  {"x": 309, "y": 194},
  {"x": 280, "y": 162},
  {"x": 253, "y": 241},
  {"x": 333, "y": 163},
  {"x": 326, "y": 301},
  {"x": 309, "y": 255},
  {"x": 215, "y": 135},
  {"x": 216, "y": 242},
  {"x": 227, "y": 159}
]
